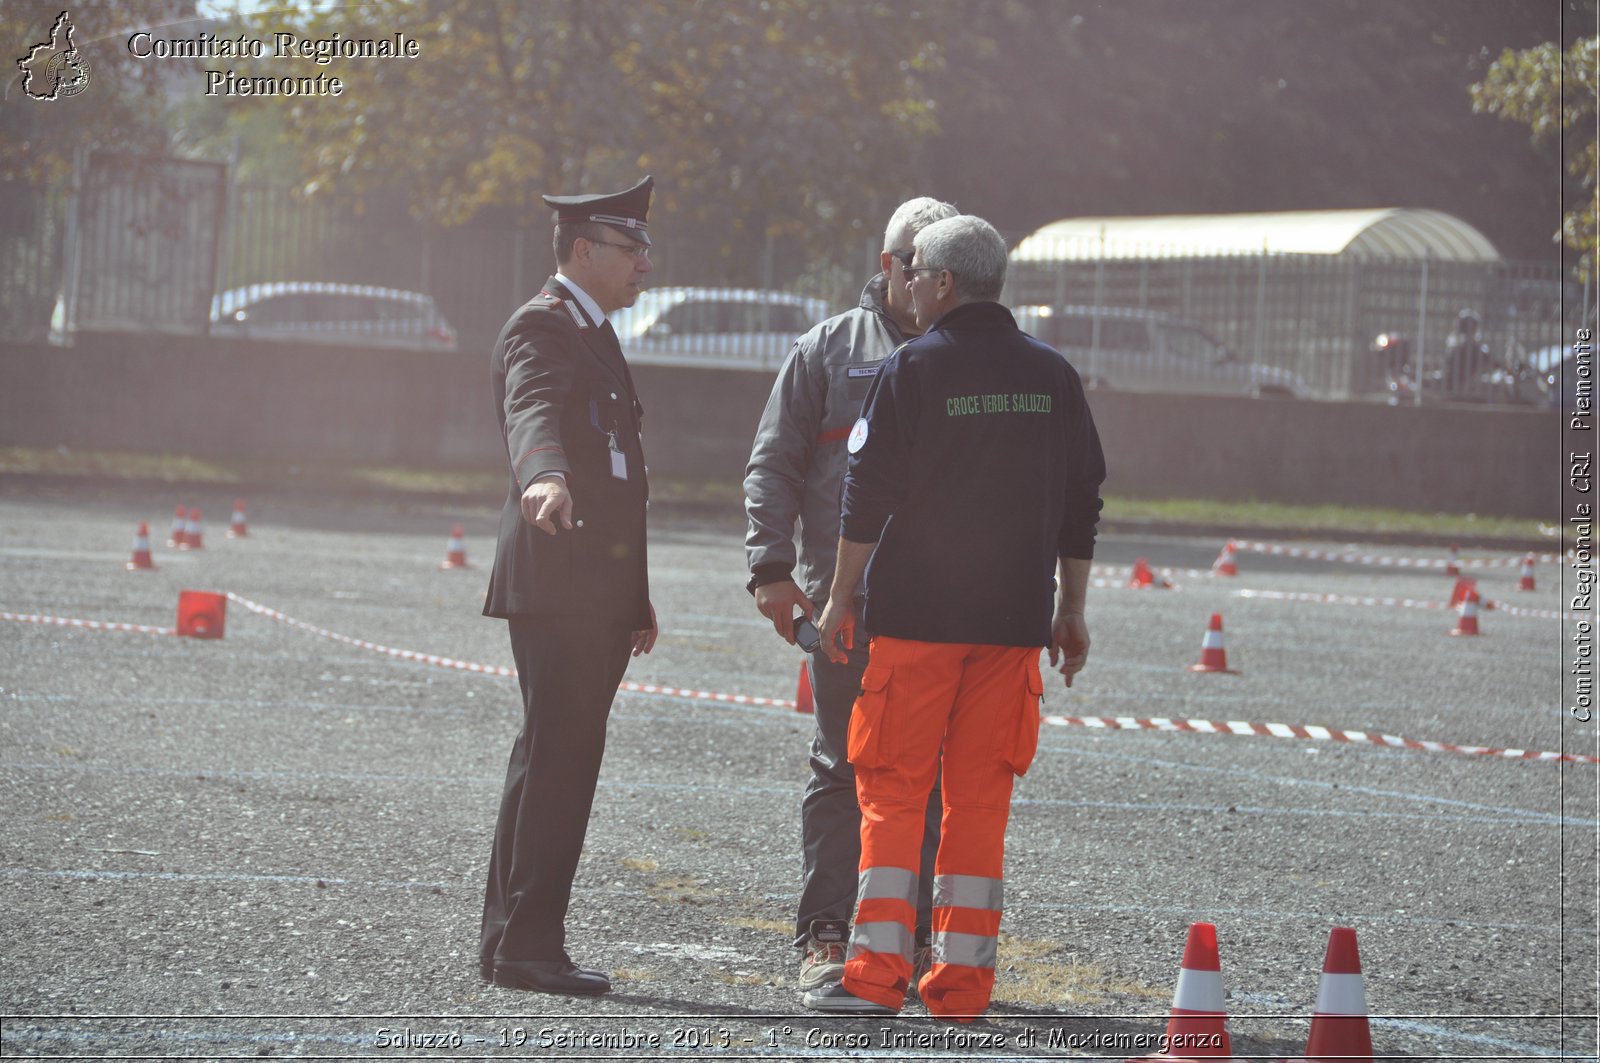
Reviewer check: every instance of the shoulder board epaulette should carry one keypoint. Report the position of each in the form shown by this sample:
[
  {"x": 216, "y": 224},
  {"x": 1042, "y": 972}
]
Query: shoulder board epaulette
[{"x": 577, "y": 315}]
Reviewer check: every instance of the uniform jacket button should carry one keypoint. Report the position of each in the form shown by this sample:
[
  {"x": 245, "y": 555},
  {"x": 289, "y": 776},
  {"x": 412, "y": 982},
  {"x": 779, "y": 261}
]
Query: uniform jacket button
[
  {"x": 580, "y": 522},
  {"x": 613, "y": 396}
]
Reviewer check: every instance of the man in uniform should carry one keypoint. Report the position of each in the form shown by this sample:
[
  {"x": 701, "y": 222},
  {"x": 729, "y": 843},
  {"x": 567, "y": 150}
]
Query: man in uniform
[
  {"x": 974, "y": 475},
  {"x": 569, "y": 573},
  {"x": 795, "y": 472}
]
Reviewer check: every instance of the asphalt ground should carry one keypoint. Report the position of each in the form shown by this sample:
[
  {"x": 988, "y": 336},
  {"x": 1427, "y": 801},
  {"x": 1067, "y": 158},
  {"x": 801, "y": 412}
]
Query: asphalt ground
[{"x": 274, "y": 843}]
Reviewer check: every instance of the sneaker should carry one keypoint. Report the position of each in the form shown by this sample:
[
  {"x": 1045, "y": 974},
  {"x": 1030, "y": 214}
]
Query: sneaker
[
  {"x": 824, "y": 958},
  {"x": 836, "y": 998}
]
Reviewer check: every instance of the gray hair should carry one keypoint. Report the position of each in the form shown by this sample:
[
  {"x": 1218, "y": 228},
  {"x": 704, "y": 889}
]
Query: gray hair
[
  {"x": 972, "y": 250},
  {"x": 913, "y": 216}
]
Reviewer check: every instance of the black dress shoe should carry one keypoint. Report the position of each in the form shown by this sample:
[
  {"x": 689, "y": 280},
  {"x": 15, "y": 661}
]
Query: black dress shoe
[{"x": 550, "y": 976}]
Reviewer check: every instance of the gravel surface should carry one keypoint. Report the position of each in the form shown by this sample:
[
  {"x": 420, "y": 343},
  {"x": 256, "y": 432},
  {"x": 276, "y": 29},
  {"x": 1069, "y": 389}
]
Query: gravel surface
[{"x": 274, "y": 843}]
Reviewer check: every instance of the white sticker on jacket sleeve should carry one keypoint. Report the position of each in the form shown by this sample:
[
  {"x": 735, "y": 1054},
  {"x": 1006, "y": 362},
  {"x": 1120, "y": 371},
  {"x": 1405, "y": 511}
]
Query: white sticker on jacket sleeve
[{"x": 858, "y": 435}]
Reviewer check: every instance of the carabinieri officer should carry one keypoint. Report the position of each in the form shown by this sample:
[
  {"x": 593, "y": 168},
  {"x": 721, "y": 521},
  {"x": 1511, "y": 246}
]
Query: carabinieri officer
[{"x": 569, "y": 573}]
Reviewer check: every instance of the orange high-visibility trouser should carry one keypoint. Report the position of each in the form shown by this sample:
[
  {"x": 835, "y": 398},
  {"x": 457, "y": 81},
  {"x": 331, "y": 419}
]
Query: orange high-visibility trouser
[{"x": 981, "y": 704}]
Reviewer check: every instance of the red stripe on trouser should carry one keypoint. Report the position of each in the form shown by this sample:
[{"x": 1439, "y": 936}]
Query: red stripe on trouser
[{"x": 981, "y": 704}]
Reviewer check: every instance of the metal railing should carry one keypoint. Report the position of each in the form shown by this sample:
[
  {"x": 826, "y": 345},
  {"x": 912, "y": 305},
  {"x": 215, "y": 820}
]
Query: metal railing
[
  {"x": 147, "y": 243},
  {"x": 1317, "y": 317}
]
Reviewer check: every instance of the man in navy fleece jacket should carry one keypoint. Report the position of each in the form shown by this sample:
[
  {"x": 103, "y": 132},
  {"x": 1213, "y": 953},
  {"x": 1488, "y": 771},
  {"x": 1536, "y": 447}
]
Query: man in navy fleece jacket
[{"x": 974, "y": 479}]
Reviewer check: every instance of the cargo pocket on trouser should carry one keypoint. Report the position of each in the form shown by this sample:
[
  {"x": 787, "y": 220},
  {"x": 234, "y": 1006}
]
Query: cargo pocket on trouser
[
  {"x": 1025, "y": 733},
  {"x": 868, "y": 746}
]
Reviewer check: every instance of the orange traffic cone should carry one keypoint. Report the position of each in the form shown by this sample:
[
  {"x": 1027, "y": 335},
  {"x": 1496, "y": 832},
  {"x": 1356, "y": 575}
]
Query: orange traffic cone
[
  {"x": 455, "y": 552},
  {"x": 1526, "y": 582},
  {"x": 1213, "y": 658},
  {"x": 1459, "y": 593},
  {"x": 201, "y": 614},
  {"x": 803, "y": 699},
  {"x": 1468, "y": 622},
  {"x": 1142, "y": 577},
  {"x": 1453, "y": 566},
  {"x": 1197, "y": 1027},
  {"x": 1339, "y": 1025},
  {"x": 1224, "y": 564},
  {"x": 141, "y": 549},
  {"x": 236, "y": 526},
  {"x": 193, "y": 538},
  {"x": 180, "y": 526}
]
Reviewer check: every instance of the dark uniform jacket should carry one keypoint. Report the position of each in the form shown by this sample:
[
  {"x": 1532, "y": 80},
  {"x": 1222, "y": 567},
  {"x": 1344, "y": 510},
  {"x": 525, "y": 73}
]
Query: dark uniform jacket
[
  {"x": 566, "y": 402},
  {"x": 975, "y": 466}
]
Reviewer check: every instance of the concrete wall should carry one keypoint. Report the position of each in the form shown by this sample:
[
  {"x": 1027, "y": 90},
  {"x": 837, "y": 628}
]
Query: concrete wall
[{"x": 284, "y": 402}]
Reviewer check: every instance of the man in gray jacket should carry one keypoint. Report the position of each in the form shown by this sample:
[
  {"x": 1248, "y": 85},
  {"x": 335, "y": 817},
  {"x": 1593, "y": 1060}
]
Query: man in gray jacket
[{"x": 795, "y": 474}]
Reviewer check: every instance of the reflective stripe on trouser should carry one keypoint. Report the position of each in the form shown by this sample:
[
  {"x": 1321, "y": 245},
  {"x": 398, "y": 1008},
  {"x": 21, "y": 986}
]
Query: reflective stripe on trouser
[{"x": 982, "y": 704}]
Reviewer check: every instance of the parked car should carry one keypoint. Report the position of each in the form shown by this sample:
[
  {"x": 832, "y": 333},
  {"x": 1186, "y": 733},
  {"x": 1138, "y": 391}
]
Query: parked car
[
  {"x": 1140, "y": 350},
  {"x": 316, "y": 312},
  {"x": 722, "y": 327}
]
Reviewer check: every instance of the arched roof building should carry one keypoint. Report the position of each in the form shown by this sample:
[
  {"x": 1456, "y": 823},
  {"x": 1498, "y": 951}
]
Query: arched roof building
[{"x": 1393, "y": 232}]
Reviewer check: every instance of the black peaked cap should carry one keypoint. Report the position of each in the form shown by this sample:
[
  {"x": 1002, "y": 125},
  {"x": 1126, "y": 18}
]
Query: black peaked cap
[{"x": 624, "y": 211}]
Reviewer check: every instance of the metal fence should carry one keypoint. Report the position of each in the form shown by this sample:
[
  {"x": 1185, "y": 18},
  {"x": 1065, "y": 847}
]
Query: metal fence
[
  {"x": 32, "y": 246},
  {"x": 1316, "y": 317},
  {"x": 145, "y": 244}
]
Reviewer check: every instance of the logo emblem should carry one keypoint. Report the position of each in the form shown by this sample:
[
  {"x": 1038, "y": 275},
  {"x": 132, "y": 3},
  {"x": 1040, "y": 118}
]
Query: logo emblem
[
  {"x": 55, "y": 69},
  {"x": 858, "y": 436}
]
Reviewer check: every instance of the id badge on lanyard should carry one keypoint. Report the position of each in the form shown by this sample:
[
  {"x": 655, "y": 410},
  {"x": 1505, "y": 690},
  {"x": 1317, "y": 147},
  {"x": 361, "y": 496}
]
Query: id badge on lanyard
[{"x": 619, "y": 460}]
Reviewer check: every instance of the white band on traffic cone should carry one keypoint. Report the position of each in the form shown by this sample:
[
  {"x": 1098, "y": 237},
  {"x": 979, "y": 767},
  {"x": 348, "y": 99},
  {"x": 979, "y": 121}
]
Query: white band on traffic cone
[
  {"x": 1198, "y": 991},
  {"x": 1341, "y": 994}
]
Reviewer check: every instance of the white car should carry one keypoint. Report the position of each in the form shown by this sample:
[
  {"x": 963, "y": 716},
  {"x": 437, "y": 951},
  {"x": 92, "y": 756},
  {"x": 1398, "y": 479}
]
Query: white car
[
  {"x": 317, "y": 312},
  {"x": 735, "y": 328},
  {"x": 1139, "y": 350}
]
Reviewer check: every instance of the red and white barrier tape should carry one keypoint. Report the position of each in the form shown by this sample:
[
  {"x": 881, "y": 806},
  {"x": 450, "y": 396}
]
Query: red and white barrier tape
[
  {"x": 1404, "y": 603},
  {"x": 487, "y": 669},
  {"x": 93, "y": 625},
  {"x": 1124, "y": 585},
  {"x": 1387, "y": 562},
  {"x": 1114, "y": 571},
  {"x": 404, "y": 655},
  {"x": 1307, "y": 731},
  {"x": 1234, "y": 727}
]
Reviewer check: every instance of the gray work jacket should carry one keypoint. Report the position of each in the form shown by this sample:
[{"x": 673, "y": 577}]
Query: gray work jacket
[{"x": 797, "y": 464}]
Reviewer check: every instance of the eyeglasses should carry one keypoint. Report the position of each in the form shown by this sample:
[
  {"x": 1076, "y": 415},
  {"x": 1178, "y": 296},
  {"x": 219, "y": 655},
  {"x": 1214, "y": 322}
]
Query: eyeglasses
[
  {"x": 902, "y": 257},
  {"x": 635, "y": 251},
  {"x": 912, "y": 271}
]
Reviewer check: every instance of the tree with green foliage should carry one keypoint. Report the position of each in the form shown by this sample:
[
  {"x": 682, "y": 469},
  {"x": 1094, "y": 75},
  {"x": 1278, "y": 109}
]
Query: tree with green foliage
[
  {"x": 124, "y": 106},
  {"x": 779, "y": 119},
  {"x": 1553, "y": 92}
]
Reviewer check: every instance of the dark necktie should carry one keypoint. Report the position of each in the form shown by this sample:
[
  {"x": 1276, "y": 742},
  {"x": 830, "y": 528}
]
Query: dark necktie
[{"x": 613, "y": 346}]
